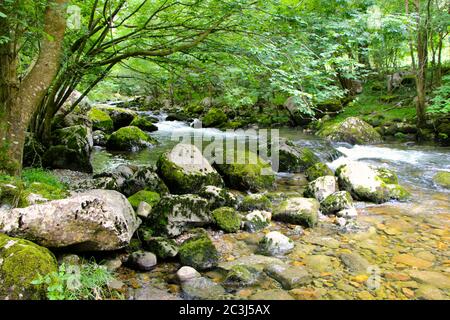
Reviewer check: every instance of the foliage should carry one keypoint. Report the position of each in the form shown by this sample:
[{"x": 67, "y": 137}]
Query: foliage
[
  {"x": 72, "y": 282},
  {"x": 441, "y": 101}
]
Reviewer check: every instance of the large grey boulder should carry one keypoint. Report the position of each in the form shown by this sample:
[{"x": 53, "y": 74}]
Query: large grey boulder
[
  {"x": 95, "y": 220},
  {"x": 352, "y": 130},
  {"x": 321, "y": 188},
  {"x": 300, "y": 211}
]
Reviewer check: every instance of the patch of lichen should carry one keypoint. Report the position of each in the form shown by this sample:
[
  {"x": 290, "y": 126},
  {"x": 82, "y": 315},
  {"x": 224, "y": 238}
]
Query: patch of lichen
[
  {"x": 199, "y": 252},
  {"x": 318, "y": 170},
  {"x": 21, "y": 262},
  {"x": 129, "y": 139},
  {"x": 100, "y": 120},
  {"x": 151, "y": 197},
  {"x": 226, "y": 219},
  {"x": 179, "y": 181}
]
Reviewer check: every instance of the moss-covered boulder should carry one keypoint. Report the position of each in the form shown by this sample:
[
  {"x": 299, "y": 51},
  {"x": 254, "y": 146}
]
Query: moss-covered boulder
[
  {"x": 185, "y": 170},
  {"x": 218, "y": 197},
  {"x": 13, "y": 194},
  {"x": 71, "y": 149},
  {"x": 101, "y": 120},
  {"x": 318, "y": 170},
  {"x": 255, "y": 201},
  {"x": 175, "y": 214},
  {"x": 22, "y": 262},
  {"x": 336, "y": 202},
  {"x": 150, "y": 197},
  {"x": 214, "y": 118},
  {"x": 365, "y": 183},
  {"x": 226, "y": 219},
  {"x": 129, "y": 139},
  {"x": 299, "y": 211},
  {"x": 352, "y": 130},
  {"x": 321, "y": 188},
  {"x": 442, "y": 179},
  {"x": 293, "y": 158},
  {"x": 163, "y": 248},
  {"x": 199, "y": 252},
  {"x": 247, "y": 172},
  {"x": 121, "y": 117},
  {"x": 144, "y": 123},
  {"x": 240, "y": 276}
]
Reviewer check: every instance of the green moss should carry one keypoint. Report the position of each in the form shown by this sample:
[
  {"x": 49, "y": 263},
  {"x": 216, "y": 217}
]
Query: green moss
[
  {"x": 14, "y": 193},
  {"x": 129, "y": 139},
  {"x": 318, "y": 170},
  {"x": 100, "y": 120},
  {"x": 306, "y": 216},
  {"x": 214, "y": 118},
  {"x": 336, "y": 202},
  {"x": 293, "y": 158},
  {"x": 387, "y": 176},
  {"x": 199, "y": 252},
  {"x": 247, "y": 176},
  {"x": 21, "y": 262},
  {"x": 443, "y": 179},
  {"x": 398, "y": 192},
  {"x": 194, "y": 109},
  {"x": 227, "y": 219},
  {"x": 144, "y": 123},
  {"x": 152, "y": 198},
  {"x": 255, "y": 202},
  {"x": 241, "y": 275},
  {"x": 234, "y": 124},
  {"x": 179, "y": 181}
]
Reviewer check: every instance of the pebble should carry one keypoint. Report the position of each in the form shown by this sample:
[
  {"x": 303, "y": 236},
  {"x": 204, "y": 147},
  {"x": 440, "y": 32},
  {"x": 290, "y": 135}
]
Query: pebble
[
  {"x": 187, "y": 273},
  {"x": 142, "y": 260}
]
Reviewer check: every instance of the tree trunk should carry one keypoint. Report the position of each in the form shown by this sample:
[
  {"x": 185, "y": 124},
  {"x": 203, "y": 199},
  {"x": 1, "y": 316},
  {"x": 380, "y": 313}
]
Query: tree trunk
[{"x": 20, "y": 101}]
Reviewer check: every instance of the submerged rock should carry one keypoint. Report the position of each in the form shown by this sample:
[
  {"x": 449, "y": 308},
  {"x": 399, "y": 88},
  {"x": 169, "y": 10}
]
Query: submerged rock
[
  {"x": 202, "y": 289},
  {"x": 95, "y": 220},
  {"x": 129, "y": 139},
  {"x": 273, "y": 294},
  {"x": 22, "y": 262},
  {"x": 199, "y": 252},
  {"x": 321, "y": 188},
  {"x": 240, "y": 275},
  {"x": 142, "y": 260},
  {"x": 442, "y": 179},
  {"x": 301, "y": 211},
  {"x": 226, "y": 219},
  {"x": 175, "y": 214},
  {"x": 352, "y": 130},
  {"x": 185, "y": 170},
  {"x": 290, "y": 277},
  {"x": 274, "y": 244}
]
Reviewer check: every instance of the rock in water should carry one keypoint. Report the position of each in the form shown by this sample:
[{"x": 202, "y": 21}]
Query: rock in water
[
  {"x": 175, "y": 214},
  {"x": 21, "y": 262},
  {"x": 95, "y": 220},
  {"x": 289, "y": 276},
  {"x": 293, "y": 158},
  {"x": 202, "y": 289},
  {"x": 142, "y": 260},
  {"x": 274, "y": 244},
  {"x": 257, "y": 220},
  {"x": 321, "y": 188},
  {"x": 185, "y": 170},
  {"x": 352, "y": 130},
  {"x": 301, "y": 211},
  {"x": 129, "y": 139},
  {"x": 336, "y": 202},
  {"x": 364, "y": 183},
  {"x": 187, "y": 273},
  {"x": 199, "y": 252}
]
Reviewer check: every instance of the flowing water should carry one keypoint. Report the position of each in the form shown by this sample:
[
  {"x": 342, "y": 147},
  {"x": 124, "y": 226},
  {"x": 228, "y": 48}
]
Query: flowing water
[{"x": 406, "y": 243}]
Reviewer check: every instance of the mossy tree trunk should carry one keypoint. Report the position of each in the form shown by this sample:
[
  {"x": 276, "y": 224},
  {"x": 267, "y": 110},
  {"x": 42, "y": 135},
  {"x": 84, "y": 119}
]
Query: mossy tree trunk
[{"x": 19, "y": 98}]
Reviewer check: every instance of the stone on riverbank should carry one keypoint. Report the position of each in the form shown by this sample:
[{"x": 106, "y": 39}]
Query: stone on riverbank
[
  {"x": 95, "y": 220},
  {"x": 321, "y": 188},
  {"x": 149, "y": 197},
  {"x": 226, "y": 219},
  {"x": 199, "y": 252},
  {"x": 336, "y": 202},
  {"x": 162, "y": 247},
  {"x": 101, "y": 120},
  {"x": 318, "y": 170},
  {"x": 175, "y": 214},
  {"x": 202, "y": 289},
  {"x": 121, "y": 117},
  {"x": 21, "y": 262},
  {"x": 218, "y": 197},
  {"x": 255, "y": 202},
  {"x": 185, "y": 170},
  {"x": 257, "y": 220},
  {"x": 290, "y": 277},
  {"x": 142, "y": 260}
]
